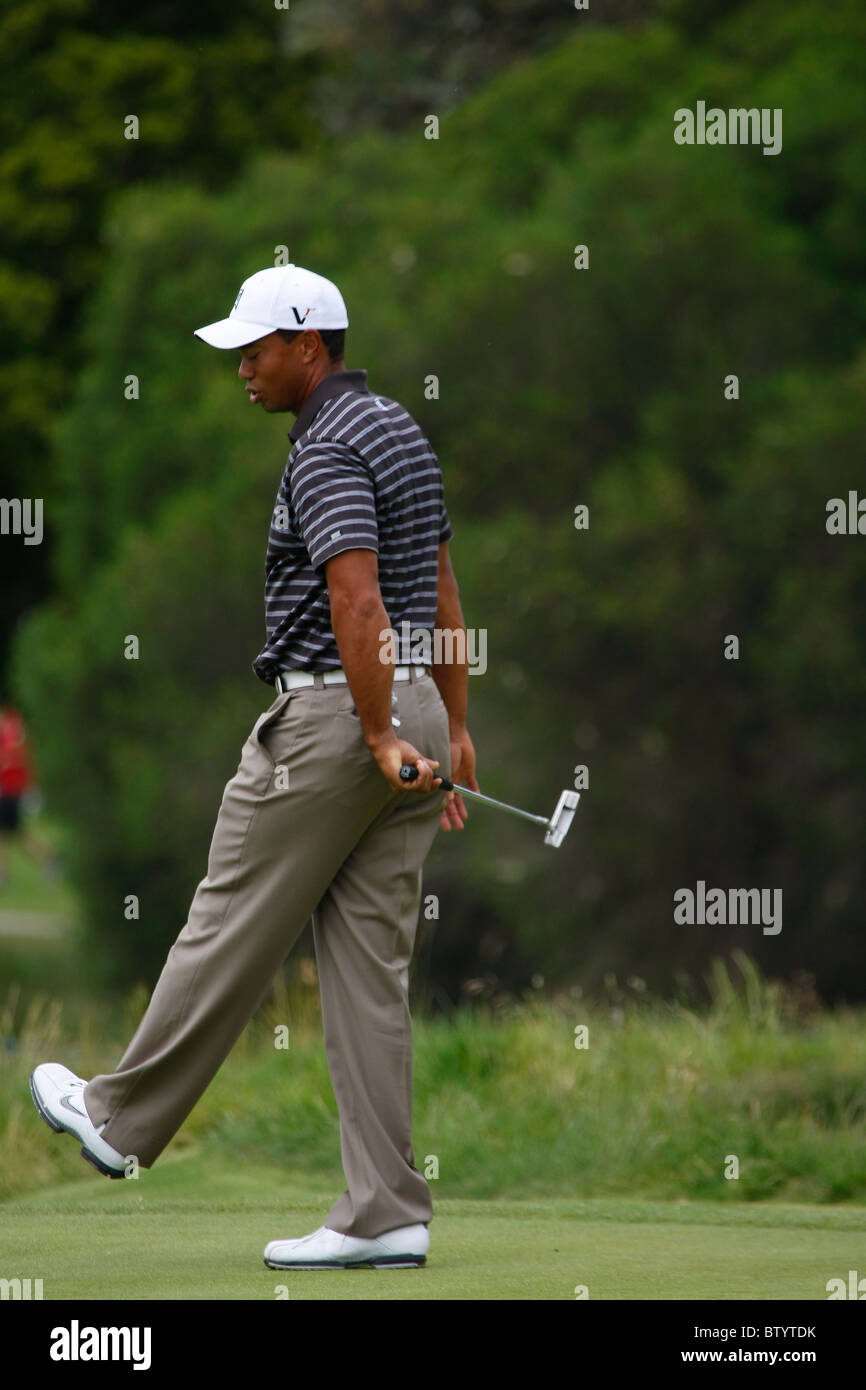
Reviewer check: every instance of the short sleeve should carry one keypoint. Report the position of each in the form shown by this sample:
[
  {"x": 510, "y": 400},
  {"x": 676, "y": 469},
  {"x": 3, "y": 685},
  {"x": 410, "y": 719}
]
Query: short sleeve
[
  {"x": 445, "y": 529},
  {"x": 334, "y": 500}
]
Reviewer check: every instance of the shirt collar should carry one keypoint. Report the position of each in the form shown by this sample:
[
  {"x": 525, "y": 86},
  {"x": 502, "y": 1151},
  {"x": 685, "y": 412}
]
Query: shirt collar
[{"x": 333, "y": 385}]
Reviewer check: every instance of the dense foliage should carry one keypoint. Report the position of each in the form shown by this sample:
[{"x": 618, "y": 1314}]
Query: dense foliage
[{"x": 602, "y": 386}]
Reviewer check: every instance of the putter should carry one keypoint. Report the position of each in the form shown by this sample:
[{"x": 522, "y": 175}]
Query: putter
[{"x": 557, "y": 826}]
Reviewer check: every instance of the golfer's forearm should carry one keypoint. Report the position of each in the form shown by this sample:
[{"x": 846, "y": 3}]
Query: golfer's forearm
[
  {"x": 357, "y": 625},
  {"x": 451, "y": 677}
]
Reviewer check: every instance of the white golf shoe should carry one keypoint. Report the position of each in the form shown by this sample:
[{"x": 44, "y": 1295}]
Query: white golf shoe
[
  {"x": 403, "y": 1248},
  {"x": 58, "y": 1095}
]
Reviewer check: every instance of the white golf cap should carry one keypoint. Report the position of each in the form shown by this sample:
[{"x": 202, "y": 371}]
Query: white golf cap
[{"x": 284, "y": 296}]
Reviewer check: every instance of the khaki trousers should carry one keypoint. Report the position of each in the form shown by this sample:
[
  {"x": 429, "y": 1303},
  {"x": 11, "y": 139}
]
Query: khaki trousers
[{"x": 308, "y": 826}]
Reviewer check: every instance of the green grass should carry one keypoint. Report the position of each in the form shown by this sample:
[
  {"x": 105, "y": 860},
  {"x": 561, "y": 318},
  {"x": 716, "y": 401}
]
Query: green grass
[
  {"x": 28, "y": 887},
  {"x": 516, "y": 1117},
  {"x": 507, "y": 1106},
  {"x": 558, "y": 1166},
  {"x": 195, "y": 1228},
  {"x": 39, "y": 926}
]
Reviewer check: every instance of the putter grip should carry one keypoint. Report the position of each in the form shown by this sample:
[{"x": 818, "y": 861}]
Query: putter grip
[{"x": 410, "y": 774}]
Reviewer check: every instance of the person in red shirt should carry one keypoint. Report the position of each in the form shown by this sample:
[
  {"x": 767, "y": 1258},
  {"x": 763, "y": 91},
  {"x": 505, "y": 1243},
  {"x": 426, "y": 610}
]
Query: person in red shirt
[{"x": 16, "y": 778}]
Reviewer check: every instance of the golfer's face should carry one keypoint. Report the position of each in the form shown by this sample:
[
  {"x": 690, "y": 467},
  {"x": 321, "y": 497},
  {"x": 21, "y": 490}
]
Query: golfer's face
[{"x": 272, "y": 371}]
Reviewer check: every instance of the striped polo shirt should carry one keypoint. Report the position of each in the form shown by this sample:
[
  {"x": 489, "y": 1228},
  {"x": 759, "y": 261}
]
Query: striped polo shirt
[{"x": 360, "y": 475}]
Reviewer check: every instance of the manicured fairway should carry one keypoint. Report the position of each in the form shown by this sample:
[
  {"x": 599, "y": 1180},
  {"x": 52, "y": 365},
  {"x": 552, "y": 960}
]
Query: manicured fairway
[{"x": 196, "y": 1230}]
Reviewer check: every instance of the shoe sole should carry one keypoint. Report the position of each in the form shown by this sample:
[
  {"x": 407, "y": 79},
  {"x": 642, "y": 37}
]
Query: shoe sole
[
  {"x": 98, "y": 1163},
  {"x": 386, "y": 1262},
  {"x": 61, "y": 1129}
]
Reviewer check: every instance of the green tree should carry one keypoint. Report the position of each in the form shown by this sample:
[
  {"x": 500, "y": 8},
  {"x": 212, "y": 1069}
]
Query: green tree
[
  {"x": 557, "y": 387},
  {"x": 206, "y": 87}
]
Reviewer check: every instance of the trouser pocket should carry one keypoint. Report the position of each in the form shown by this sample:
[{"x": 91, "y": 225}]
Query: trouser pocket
[{"x": 276, "y": 733}]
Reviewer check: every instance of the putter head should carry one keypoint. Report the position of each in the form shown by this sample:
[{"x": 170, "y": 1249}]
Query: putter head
[{"x": 561, "y": 818}]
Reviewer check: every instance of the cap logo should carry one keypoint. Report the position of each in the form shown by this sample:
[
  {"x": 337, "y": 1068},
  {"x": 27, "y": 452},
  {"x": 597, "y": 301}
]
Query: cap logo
[
  {"x": 299, "y": 318},
  {"x": 238, "y": 300}
]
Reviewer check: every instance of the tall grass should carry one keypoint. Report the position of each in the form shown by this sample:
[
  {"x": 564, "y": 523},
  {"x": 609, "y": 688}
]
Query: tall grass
[{"x": 659, "y": 1103}]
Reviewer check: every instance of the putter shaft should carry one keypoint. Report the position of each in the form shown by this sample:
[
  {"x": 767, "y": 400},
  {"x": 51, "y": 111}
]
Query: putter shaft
[{"x": 447, "y": 786}]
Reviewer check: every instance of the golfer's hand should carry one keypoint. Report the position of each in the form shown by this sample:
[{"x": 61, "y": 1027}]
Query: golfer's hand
[
  {"x": 462, "y": 771},
  {"x": 392, "y": 752}
]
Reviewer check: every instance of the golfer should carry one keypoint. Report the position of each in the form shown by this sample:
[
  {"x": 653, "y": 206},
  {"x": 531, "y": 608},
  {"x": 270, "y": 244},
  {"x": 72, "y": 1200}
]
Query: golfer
[{"x": 316, "y": 821}]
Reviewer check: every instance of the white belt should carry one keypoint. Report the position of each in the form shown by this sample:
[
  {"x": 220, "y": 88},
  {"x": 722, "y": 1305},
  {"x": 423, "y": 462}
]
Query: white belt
[{"x": 289, "y": 680}]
